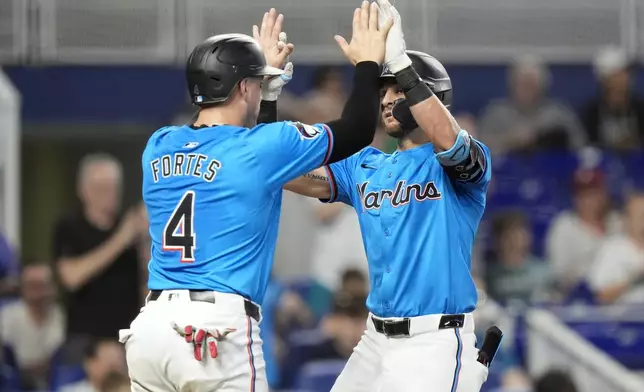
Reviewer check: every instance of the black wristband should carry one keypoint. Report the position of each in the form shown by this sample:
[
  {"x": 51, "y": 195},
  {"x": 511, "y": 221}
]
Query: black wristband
[
  {"x": 412, "y": 85},
  {"x": 267, "y": 112}
]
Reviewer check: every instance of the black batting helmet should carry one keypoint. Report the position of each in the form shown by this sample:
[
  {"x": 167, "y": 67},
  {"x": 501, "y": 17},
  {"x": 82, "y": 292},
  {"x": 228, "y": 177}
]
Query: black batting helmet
[
  {"x": 216, "y": 66},
  {"x": 432, "y": 72}
]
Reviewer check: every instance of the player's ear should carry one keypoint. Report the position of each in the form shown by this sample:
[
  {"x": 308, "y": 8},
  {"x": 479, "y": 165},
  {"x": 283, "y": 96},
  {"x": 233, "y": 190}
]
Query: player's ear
[{"x": 244, "y": 87}]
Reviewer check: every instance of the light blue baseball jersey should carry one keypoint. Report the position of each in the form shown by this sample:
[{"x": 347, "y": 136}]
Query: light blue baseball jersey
[
  {"x": 418, "y": 227},
  {"x": 213, "y": 197}
]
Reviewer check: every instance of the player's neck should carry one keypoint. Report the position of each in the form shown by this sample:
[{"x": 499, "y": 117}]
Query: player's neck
[
  {"x": 413, "y": 139},
  {"x": 219, "y": 116}
]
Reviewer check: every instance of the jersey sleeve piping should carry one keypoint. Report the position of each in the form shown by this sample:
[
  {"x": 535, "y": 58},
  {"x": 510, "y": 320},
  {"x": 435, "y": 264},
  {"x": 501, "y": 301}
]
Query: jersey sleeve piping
[
  {"x": 329, "y": 148},
  {"x": 333, "y": 186}
]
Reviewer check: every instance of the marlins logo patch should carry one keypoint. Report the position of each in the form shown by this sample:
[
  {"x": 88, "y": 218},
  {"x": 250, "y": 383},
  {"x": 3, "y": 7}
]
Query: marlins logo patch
[{"x": 306, "y": 131}]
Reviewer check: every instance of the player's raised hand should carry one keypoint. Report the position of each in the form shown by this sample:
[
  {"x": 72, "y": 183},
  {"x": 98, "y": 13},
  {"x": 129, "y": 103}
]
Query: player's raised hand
[
  {"x": 275, "y": 50},
  {"x": 368, "y": 38},
  {"x": 396, "y": 58}
]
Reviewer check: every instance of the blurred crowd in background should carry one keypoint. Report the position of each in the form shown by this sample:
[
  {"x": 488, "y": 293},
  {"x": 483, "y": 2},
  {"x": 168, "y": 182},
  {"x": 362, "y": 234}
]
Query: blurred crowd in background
[{"x": 60, "y": 317}]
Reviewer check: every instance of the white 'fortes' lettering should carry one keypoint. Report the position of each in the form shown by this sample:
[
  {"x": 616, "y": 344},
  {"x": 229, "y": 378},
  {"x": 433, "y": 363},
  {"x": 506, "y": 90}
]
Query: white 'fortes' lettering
[{"x": 181, "y": 164}]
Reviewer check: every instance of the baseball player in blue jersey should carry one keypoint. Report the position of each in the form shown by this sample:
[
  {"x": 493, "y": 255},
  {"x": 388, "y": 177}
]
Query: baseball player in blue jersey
[
  {"x": 419, "y": 209},
  {"x": 213, "y": 192}
]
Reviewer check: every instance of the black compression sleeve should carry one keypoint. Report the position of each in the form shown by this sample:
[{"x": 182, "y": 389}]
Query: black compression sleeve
[
  {"x": 267, "y": 112},
  {"x": 357, "y": 126}
]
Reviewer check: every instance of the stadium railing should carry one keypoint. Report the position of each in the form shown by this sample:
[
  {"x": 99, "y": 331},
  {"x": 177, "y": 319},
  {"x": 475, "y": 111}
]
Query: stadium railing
[
  {"x": 163, "y": 31},
  {"x": 9, "y": 160},
  {"x": 553, "y": 345}
]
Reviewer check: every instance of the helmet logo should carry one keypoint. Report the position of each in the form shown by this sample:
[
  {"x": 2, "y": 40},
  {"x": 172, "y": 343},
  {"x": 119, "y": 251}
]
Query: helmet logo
[{"x": 195, "y": 92}]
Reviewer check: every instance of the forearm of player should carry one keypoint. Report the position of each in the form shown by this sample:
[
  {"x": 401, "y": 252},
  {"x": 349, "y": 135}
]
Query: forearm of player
[
  {"x": 429, "y": 112},
  {"x": 356, "y": 128},
  {"x": 74, "y": 272},
  {"x": 313, "y": 184}
]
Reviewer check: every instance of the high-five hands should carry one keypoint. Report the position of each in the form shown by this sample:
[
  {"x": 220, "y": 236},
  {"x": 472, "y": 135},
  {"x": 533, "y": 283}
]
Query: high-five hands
[
  {"x": 368, "y": 37},
  {"x": 277, "y": 49},
  {"x": 272, "y": 86},
  {"x": 268, "y": 36},
  {"x": 396, "y": 58}
]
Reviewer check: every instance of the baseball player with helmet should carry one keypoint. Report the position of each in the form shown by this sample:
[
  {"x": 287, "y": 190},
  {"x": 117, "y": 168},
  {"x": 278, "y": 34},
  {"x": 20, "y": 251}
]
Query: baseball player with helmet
[
  {"x": 419, "y": 209},
  {"x": 213, "y": 192}
]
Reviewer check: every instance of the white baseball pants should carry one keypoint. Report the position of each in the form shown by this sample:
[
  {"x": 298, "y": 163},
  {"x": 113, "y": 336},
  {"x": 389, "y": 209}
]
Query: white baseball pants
[
  {"x": 430, "y": 359},
  {"x": 159, "y": 359}
]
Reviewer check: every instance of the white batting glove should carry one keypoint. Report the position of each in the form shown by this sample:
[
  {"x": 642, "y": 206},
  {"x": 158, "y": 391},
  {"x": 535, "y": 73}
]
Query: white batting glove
[
  {"x": 272, "y": 88},
  {"x": 395, "y": 57}
]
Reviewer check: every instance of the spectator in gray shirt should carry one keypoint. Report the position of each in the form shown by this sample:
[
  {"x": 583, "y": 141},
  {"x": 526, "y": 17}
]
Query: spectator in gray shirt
[{"x": 528, "y": 119}]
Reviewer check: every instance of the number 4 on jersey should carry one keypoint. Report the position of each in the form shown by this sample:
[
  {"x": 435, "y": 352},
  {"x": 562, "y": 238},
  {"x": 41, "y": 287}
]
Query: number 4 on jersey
[{"x": 179, "y": 234}]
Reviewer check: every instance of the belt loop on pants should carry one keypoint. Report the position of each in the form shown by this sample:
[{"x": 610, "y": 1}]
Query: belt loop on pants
[
  {"x": 251, "y": 309},
  {"x": 414, "y": 325}
]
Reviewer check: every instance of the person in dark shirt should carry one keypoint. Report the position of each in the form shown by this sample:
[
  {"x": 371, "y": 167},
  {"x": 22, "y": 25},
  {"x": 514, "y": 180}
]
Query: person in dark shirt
[
  {"x": 339, "y": 332},
  {"x": 96, "y": 254},
  {"x": 615, "y": 119}
]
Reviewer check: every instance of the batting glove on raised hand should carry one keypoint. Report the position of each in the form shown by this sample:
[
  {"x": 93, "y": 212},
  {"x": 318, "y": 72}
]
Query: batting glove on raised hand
[
  {"x": 396, "y": 58},
  {"x": 198, "y": 336},
  {"x": 272, "y": 87}
]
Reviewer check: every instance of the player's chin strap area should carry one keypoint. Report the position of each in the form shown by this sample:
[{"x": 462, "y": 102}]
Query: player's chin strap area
[{"x": 402, "y": 113}]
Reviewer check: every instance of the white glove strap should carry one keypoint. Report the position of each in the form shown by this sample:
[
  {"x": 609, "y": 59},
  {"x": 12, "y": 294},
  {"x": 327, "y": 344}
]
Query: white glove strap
[
  {"x": 272, "y": 87},
  {"x": 271, "y": 94},
  {"x": 399, "y": 63}
]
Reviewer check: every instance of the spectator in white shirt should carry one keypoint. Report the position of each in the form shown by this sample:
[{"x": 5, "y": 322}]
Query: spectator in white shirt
[
  {"x": 618, "y": 273},
  {"x": 338, "y": 240},
  {"x": 575, "y": 236},
  {"x": 338, "y": 244},
  {"x": 34, "y": 326}
]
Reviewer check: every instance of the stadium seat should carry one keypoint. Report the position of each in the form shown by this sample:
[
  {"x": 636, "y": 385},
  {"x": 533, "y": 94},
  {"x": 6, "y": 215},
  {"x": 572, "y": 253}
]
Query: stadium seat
[
  {"x": 581, "y": 294},
  {"x": 299, "y": 345},
  {"x": 319, "y": 376},
  {"x": 10, "y": 374},
  {"x": 621, "y": 339},
  {"x": 316, "y": 296},
  {"x": 63, "y": 374}
]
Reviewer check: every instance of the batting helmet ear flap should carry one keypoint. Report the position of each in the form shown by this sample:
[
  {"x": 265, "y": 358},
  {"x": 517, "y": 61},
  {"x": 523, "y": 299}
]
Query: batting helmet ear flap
[{"x": 402, "y": 113}]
